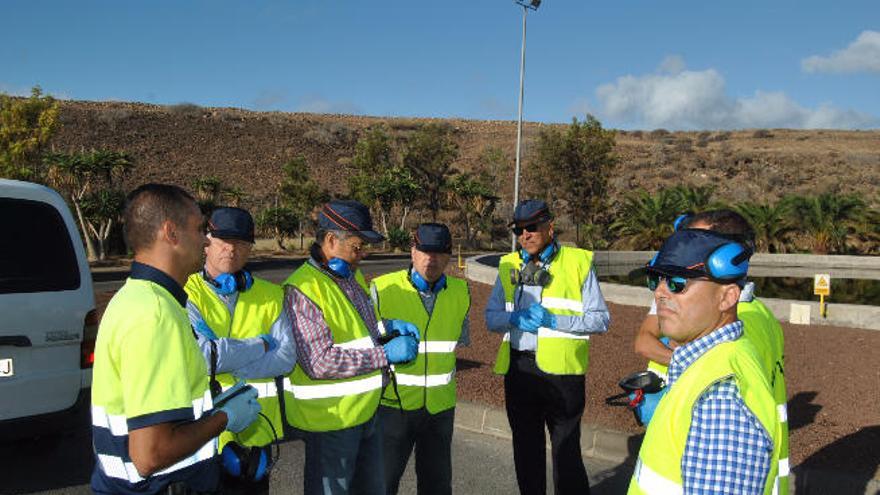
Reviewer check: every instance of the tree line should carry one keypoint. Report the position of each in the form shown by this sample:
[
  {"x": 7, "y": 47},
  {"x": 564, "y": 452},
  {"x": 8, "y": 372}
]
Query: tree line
[{"x": 411, "y": 177}]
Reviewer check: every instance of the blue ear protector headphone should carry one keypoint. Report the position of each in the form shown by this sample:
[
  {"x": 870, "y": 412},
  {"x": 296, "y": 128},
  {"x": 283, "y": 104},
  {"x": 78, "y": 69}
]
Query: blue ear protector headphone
[
  {"x": 229, "y": 283},
  {"x": 249, "y": 464},
  {"x": 544, "y": 256},
  {"x": 423, "y": 285},
  {"x": 339, "y": 267},
  {"x": 729, "y": 262},
  {"x": 680, "y": 221}
]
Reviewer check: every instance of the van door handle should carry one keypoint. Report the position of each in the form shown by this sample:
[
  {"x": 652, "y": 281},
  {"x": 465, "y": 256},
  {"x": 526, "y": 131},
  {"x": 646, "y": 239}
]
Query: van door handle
[{"x": 15, "y": 341}]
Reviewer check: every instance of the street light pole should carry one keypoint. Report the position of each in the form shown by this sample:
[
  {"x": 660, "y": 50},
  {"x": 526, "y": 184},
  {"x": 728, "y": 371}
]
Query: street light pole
[{"x": 533, "y": 4}]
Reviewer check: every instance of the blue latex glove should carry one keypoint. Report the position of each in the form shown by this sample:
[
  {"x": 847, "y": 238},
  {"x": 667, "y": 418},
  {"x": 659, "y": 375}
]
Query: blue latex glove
[
  {"x": 204, "y": 330},
  {"x": 271, "y": 343},
  {"x": 401, "y": 349},
  {"x": 548, "y": 319},
  {"x": 241, "y": 410},
  {"x": 404, "y": 328},
  {"x": 645, "y": 409},
  {"x": 664, "y": 341},
  {"x": 527, "y": 320}
]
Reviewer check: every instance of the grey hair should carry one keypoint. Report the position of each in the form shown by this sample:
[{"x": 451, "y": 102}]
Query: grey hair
[{"x": 321, "y": 234}]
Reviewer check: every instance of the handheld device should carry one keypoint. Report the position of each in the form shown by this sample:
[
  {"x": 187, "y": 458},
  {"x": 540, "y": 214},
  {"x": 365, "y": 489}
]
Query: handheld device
[{"x": 233, "y": 391}]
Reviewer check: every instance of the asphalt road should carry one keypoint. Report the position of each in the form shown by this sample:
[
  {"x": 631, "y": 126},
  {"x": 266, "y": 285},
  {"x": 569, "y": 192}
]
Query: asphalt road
[
  {"x": 482, "y": 464},
  {"x": 274, "y": 270}
]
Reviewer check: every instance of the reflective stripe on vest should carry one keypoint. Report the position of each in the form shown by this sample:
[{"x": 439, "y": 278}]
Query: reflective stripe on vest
[
  {"x": 429, "y": 380},
  {"x": 116, "y": 467},
  {"x": 118, "y": 423},
  {"x": 652, "y": 482},
  {"x": 424, "y": 380},
  {"x": 558, "y": 353},
  {"x": 341, "y": 389},
  {"x": 332, "y": 404},
  {"x": 264, "y": 389},
  {"x": 666, "y": 437}
]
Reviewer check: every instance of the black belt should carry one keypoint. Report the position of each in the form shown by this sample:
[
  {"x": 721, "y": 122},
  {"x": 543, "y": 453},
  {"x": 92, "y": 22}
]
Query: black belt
[{"x": 522, "y": 354}]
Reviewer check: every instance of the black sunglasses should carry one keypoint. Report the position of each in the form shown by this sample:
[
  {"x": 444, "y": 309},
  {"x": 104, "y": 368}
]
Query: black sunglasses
[
  {"x": 676, "y": 285},
  {"x": 528, "y": 228}
]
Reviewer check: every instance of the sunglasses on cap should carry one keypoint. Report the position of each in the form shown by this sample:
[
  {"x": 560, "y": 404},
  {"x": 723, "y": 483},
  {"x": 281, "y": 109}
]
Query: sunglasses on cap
[
  {"x": 676, "y": 285},
  {"x": 528, "y": 228}
]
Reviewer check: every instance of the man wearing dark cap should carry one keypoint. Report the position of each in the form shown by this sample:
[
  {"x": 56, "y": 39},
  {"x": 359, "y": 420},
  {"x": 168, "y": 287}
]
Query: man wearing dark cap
[
  {"x": 419, "y": 412},
  {"x": 717, "y": 428},
  {"x": 243, "y": 334},
  {"x": 760, "y": 326},
  {"x": 547, "y": 303},
  {"x": 334, "y": 390}
]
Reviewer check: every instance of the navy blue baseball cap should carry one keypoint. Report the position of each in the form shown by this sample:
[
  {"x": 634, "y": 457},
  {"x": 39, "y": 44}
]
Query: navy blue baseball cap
[
  {"x": 692, "y": 253},
  {"x": 231, "y": 223},
  {"x": 350, "y": 216},
  {"x": 433, "y": 238},
  {"x": 531, "y": 211}
]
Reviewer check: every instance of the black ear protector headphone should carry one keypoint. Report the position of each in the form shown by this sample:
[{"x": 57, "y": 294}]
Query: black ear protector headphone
[
  {"x": 422, "y": 285},
  {"x": 535, "y": 274},
  {"x": 229, "y": 283},
  {"x": 248, "y": 464}
]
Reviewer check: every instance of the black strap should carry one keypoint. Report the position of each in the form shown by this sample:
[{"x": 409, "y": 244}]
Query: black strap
[{"x": 216, "y": 388}]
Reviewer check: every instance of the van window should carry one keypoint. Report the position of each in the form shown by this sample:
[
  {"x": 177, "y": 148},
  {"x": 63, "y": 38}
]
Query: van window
[{"x": 36, "y": 253}]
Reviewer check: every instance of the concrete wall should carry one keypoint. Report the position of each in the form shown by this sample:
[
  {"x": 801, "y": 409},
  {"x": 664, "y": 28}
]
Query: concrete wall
[{"x": 790, "y": 265}]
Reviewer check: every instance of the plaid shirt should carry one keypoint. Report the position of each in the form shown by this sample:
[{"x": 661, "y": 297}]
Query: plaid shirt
[
  {"x": 317, "y": 355},
  {"x": 727, "y": 450}
]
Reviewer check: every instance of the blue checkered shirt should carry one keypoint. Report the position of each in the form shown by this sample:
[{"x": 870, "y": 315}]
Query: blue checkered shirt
[{"x": 727, "y": 450}]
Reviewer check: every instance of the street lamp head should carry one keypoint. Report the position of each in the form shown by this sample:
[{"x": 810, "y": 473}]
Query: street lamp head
[{"x": 530, "y": 4}]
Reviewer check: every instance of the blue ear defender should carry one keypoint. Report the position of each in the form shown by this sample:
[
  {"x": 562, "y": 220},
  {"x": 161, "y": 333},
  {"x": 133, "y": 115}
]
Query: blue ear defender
[
  {"x": 229, "y": 283},
  {"x": 680, "y": 221},
  {"x": 245, "y": 463},
  {"x": 339, "y": 267},
  {"x": 729, "y": 262},
  {"x": 423, "y": 285},
  {"x": 544, "y": 256}
]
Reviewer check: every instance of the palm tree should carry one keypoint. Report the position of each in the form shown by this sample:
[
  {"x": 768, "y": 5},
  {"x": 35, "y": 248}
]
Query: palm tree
[
  {"x": 771, "y": 222},
  {"x": 694, "y": 198},
  {"x": 645, "y": 220},
  {"x": 831, "y": 221}
]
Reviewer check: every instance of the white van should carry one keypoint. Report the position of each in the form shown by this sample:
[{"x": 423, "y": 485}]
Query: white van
[{"x": 47, "y": 320}]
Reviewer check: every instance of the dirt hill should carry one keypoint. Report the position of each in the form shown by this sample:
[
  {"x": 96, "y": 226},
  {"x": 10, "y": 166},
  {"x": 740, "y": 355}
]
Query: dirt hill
[{"x": 181, "y": 143}]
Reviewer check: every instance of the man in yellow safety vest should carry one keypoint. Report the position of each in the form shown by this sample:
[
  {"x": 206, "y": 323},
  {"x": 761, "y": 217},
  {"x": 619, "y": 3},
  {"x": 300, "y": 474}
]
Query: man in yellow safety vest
[
  {"x": 716, "y": 429},
  {"x": 546, "y": 301},
  {"x": 419, "y": 410},
  {"x": 333, "y": 392},
  {"x": 243, "y": 334}
]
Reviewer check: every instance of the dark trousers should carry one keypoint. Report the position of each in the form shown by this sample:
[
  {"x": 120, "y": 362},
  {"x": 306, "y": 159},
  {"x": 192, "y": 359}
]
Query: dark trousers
[
  {"x": 345, "y": 461},
  {"x": 431, "y": 434},
  {"x": 533, "y": 399}
]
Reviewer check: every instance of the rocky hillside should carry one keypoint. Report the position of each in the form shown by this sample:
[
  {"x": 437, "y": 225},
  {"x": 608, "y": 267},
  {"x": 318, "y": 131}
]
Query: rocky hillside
[{"x": 181, "y": 143}]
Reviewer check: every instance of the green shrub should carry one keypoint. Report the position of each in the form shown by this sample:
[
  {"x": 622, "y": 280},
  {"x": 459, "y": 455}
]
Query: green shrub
[{"x": 399, "y": 239}]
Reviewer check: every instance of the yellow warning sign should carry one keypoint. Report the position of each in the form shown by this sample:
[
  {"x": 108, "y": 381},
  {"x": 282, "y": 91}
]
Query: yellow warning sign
[{"x": 822, "y": 284}]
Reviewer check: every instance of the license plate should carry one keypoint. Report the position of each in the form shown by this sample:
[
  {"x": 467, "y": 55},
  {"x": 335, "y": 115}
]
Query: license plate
[{"x": 6, "y": 367}]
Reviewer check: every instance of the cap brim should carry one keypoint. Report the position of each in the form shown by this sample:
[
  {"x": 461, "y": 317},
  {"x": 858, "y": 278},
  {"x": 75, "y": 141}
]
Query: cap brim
[
  {"x": 370, "y": 236},
  {"x": 675, "y": 271},
  {"x": 226, "y": 234},
  {"x": 434, "y": 248}
]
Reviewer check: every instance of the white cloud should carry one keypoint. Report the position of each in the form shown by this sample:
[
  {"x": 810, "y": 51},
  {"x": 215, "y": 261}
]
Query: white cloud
[
  {"x": 862, "y": 55},
  {"x": 318, "y": 104},
  {"x": 269, "y": 99},
  {"x": 672, "y": 64},
  {"x": 689, "y": 99}
]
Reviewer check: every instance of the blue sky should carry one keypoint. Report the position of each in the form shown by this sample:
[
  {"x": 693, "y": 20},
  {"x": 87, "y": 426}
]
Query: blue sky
[{"x": 634, "y": 64}]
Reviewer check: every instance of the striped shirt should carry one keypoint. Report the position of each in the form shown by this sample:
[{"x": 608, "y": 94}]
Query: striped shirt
[
  {"x": 727, "y": 450},
  {"x": 317, "y": 355}
]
